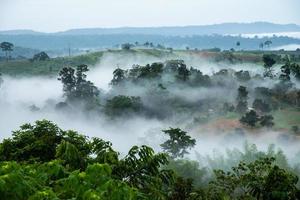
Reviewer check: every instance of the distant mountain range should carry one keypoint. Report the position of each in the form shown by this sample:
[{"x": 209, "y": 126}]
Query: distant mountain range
[
  {"x": 223, "y": 36},
  {"x": 222, "y": 29}
]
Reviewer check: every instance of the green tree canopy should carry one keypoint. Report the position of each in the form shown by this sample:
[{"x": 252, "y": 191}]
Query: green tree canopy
[{"x": 179, "y": 142}]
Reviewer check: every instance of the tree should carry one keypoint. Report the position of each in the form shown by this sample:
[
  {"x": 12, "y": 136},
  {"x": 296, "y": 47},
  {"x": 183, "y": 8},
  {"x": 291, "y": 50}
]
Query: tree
[
  {"x": 75, "y": 86},
  {"x": 242, "y": 97},
  {"x": 198, "y": 79},
  {"x": 183, "y": 72},
  {"x": 242, "y": 94},
  {"x": 7, "y": 47},
  {"x": 36, "y": 142},
  {"x": 242, "y": 75},
  {"x": 261, "y": 105},
  {"x": 69, "y": 155},
  {"x": 39, "y": 142},
  {"x": 141, "y": 168},
  {"x": 146, "y": 44},
  {"x": 178, "y": 143},
  {"x": 268, "y": 43},
  {"x": 295, "y": 70},
  {"x": 266, "y": 120},
  {"x": 126, "y": 46},
  {"x": 104, "y": 152},
  {"x": 189, "y": 169},
  {"x": 42, "y": 56},
  {"x": 121, "y": 105},
  {"x": 261, "y": 179},
  {"x": 182, "y": 189},
  {"x": 238, "y": 44},
  {"x": 268, "y": 64},
  {"x": 95, "y": 182},
  {"x": 250, "y": 118},
  {"x": 261, "y": 45},
  {"x": 118, "y": 76},
  {"x": 141, "y": 174},
  {"x": 285, "y": 72}
]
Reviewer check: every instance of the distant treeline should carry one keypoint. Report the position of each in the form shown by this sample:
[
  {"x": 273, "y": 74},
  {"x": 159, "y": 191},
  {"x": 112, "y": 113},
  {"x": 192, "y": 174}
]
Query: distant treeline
[{"x": 59, "y": 42}]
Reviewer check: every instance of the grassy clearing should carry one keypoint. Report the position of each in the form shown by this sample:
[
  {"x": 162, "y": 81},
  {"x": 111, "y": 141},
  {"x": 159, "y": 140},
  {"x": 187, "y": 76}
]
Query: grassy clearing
[
  {"x": 283, "y": 119},
  {"x": 286, "y": 118},
  {"x": 50, "y": 67}
]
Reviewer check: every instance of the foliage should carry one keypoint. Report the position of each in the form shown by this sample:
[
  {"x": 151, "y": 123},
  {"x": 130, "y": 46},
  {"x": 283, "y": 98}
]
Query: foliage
[
  {"x": 141, "y": 169},
  {"x": 121, "y": 105},
  {"x": 183, "y": 72},
  {"x": 260, "y": 179},
  {"x": 76, "y": 87},
  {"x": 285, "y": 72},
  {"x": 42, "y": 56},
  {"x": 118, "y": 76},
  {"x": 104, "y": 152},
  {"x": 295, "y": 70},
  {"x": 126, "y": 46},
  {"x": 178, "y": 143},
  {"x": 269, "y": 61},
  {"x": 260, "y": 105},
  {"x": 190, "y": 170},
  {"x": 36, "y": 142},
  {"x": 7, "y": 47},
  {"x": 91, "y": 169},
  {"x": 242, "y": 75},
  {"x": 31, "y": 182},
  {"x": 74, "y": 171},
  {"x": 250, "y": 118},
  {"x": 242, "y": 97},
  {"x": 267, "y": 120},
  {"x": 182, "y": 190}
]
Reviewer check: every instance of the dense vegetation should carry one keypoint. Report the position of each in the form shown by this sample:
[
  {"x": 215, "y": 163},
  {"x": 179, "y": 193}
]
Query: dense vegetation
[
  {"x": 42, "y": 161},
  {"x": 168, "y": 84}
]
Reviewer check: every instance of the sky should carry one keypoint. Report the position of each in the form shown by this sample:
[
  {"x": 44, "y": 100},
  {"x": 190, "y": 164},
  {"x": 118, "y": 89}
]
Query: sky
[{"x": 60, "y": 15}]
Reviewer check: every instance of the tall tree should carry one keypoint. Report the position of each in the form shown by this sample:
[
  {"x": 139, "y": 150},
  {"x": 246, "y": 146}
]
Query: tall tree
[
  {"x": 267, "y": 120},
  {"x": 238, "y": 44},
  {"x": 179, "y": 142},
  {"x": 42, "y": 56},
  {"x": 261, "y": 45},
  {"x": 295, "y": 70},
  {"x": 250, "y": 118},
  {"x": 268, "y": 43},
  {"x": 261, "y": 179},
  {"x": 269, "y": 61},
  {"x": 75, "y": 85},
  {"x": 242, "y": 100},
  {"x": 261, "y": 105},
  {"x": 7, "y": 47},
  {"x": 118, "y": 76},
  {"x": 183, "y": 72},
  {"x": 285, "y": 72}
]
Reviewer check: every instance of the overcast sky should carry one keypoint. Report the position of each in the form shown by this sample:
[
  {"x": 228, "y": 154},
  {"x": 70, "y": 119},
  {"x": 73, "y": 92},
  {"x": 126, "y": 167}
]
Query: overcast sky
[{"x": 59, "y": 15}]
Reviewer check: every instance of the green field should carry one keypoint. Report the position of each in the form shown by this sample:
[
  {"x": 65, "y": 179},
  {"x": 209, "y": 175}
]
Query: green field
[
  {"x": 286, "y": 118},
  {"x": 52, "y": 67}
]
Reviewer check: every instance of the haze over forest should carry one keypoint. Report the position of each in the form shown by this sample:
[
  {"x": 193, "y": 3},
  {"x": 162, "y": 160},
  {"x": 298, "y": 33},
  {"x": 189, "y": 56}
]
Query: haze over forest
[{"x": 105, "y": 100}]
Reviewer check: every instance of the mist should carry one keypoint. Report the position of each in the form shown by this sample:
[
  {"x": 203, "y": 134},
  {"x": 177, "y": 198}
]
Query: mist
[{"x": 27, "y": 99}]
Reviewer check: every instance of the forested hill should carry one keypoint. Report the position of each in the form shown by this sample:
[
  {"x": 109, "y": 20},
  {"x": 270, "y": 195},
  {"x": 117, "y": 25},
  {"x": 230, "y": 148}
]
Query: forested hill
[{"x": 222, "y": 29}]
